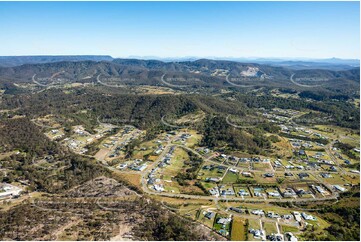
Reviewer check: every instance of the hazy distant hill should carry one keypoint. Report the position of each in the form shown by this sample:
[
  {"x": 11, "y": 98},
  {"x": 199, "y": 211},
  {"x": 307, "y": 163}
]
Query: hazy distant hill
[
  {"x": 301, "y": 65},
  {"x": 10, "y": 61},
  {"x": 335, "y": 64}
]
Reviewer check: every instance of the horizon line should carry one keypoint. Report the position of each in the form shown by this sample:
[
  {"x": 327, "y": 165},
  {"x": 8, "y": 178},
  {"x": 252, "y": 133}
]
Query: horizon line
[{"x": 150, "y": 57}]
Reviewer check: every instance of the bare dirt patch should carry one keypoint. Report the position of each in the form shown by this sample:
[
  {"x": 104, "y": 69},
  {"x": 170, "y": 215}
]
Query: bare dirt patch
[
  {"x": 101, "y": 154},
  {"x": 101, "y": 187}
]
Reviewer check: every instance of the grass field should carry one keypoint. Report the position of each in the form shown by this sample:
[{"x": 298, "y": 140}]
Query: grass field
[
  {"x": 270, "y": 228},
  {"x": 139, "y": 154},
  {"x": 179, "y": 201},
  {"x": 215, "y": 173},
  {"x": 208, "y": 185},
  {"x": 152, "y": 157},
  {"x": 354, "y": 179},
  {"x": 171, "y": 187},
  {"x": 336, "y": 179},
  {"x": 262, "y": 166},
  {"x": 188, "y": 210},
  {"x": 155, "y": 90},
  {"x": 287, "y": 179},
  {"x": 324, "y": 156},
  {"x": 230, "y": 177},
  {"x": 133, "y": 179},
  {"x": 283, "y": 147},
  {"x": 253, "y": 224},
  {"x": 264, "y": 180},
  {"x": 238, "y": 229},
  {"x": 176, "y": 163},
  {"x": 343, "y": 134},
  {"x": 291, "y": 229},
  {"x": 243, "y": 165}
]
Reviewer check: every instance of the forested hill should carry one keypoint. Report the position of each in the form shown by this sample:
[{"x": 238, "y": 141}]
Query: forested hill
[
  {"x": 200, "y": 73},
  {"x": 140, "y": 110}
]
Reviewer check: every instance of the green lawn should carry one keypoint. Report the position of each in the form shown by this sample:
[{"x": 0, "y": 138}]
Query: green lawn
[
  {"x": 291, "y": 229},
  {"x": 230, "y": 177}
]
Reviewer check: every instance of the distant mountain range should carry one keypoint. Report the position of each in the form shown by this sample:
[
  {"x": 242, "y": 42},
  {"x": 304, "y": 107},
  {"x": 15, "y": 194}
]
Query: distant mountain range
[
  {"x": 295, "y": 64},
  {"x": 11, "y": 61},
  {"x": 328, "y": 64}
]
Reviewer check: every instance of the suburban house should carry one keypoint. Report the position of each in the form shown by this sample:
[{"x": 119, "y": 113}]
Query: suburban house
[{"x": 209, "y": 215}]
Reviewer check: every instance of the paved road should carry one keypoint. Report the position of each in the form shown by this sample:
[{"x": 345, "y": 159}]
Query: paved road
[
  {"x": 169, "y": 84},
  {"x": 236, "y": 85},
  {"x": 301, "y": 85},
  {"x": 108, "y": 85},
  {"x": 38, "y": 83},
  {"x": 51, "y": 79}
]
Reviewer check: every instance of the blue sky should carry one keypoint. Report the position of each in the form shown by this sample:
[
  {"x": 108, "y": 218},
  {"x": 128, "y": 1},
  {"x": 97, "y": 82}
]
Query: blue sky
[{"x": 178, "y": 29}]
